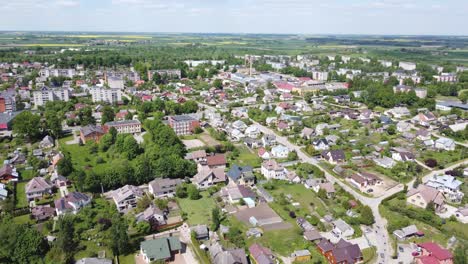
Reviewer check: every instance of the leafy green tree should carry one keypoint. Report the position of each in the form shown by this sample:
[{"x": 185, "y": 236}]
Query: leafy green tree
[
  {"x": 131, "y": 147},
  {"x": 215, "y": 218},
  {"x": 108, "y": 114},
  {"x": 193, "y": 192},
  {"x": 218, "y": 83},
  {"x": 66, "y": 240},
  {"x": 65, "y": 166},
  {"x": 54, "y": 124},
  {"x": 27, "y": 124},
  {"x": 181, "y": 191},
  {"x": 106, "y": 142},
  {"x": 120, "y": 242},
  {"x": 460, "y": 256},
  {"x": 367, "y": 218},
  {"x": 322, "y": 194}
]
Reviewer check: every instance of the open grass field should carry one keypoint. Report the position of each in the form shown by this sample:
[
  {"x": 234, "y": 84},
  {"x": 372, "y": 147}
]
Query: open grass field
[
  {"x": 198, "y": 211},
  {"x": 21, "y": 200},
  {"x": 248, "y": 157}
]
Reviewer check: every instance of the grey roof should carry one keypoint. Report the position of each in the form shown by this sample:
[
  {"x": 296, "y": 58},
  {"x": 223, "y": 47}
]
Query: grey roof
[
  {"x": 181, "y": 118},
  {"x": 124, "y": 192},
  {"x": 87, "y": 130},
  {"x": 123, "y": 122},
  {"x": 94, "y": 261}
]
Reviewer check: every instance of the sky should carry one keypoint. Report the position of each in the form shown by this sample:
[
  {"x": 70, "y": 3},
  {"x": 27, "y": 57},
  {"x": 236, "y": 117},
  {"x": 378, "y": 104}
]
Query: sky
[{"x": 383, "y": 17}]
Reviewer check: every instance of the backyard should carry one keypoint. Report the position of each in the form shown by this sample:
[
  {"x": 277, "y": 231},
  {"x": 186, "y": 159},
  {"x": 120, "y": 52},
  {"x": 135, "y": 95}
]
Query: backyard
[{"x": 197, "y": 211}]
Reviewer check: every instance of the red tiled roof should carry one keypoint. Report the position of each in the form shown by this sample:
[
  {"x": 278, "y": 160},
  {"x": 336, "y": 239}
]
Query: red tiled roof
[
  {"x": 216, "y": 160},
  {"x": 436, "y": 250}
]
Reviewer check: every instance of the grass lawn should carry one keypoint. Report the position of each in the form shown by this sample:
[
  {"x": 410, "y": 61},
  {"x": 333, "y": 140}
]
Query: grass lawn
[
  {"x": 247, "y": 157},
  {"x": 82, "y": 156},
  {"x": 128, "y": 259},
  {"x": 26, "y": 174},
  {"x": 369, "y": 255},
  {"x": 198, "y": 211},
  {"x": 21, "y": 200},
  {"x": 445, "y": 158},
  {"x": 23, "y": 219},
  {"x": 301, "y": 195}
]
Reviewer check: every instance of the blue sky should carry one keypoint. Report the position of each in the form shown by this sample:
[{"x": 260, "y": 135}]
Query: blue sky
[{"x": 417, "y": 17}]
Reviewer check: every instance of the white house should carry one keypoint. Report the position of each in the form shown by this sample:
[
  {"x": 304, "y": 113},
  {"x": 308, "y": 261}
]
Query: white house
[
  {"x": 252, "y": 131},
  {"x": 272, "y": 170},
  {"x": 280, "y": 151},
  {"x": 444, "y": 144},
  {"x": 385, "y": 162},
  {"x": 449, "y": 185},
  {"x": 342, "y": 229}
]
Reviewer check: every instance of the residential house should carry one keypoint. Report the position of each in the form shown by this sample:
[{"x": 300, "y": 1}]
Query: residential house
[
  {"x": 233, "y": 193},
  {"x": 198, "y": 156},
  {"x": 239, "y": 125},
  {"x": 406, "y": 232},
  {"x": 252, "y": 131},
  {"x": 272, "y": 170},
  {"x": 403, "y": 156},
  {"x": 152, "y": 215},
  {"x": 47, "y": 142},
  {"x": 424, "y": 119},
  {"x": 449, "y": 185},
  {"x": 385, "y": 162},
  {"x": 304, "y": 224},
  {"x": 219, "y": 255},
  {"x": 399, "y": 112},
  {"x": 280, "y": 151},
  {"x": 403, "y": 127},
  {"x": 301, "y": 255},
  {"x": 163, "y": 187},
  {"x": 342, "y": 252},
  {"x": 444, "y": 144},
  {"x": 207, "y": 177},
  {"x": 91, "y": 133},
  {"x": 423, "y": 135},
  {"x": 334, "y": 156},
  {"x": 8, "y": 173},
  {"x": 329, "y": 189},
  {"x": 216, "y": 161},
  {"x": 364, "y": 180},
  {"x": 42, "y": 212},
  {"x": 312, "y": 235},
  {"x": 264, "y": 154},
  {"x": 307, "y": 133},
  {"x": 126, "y": 198},
  {"x": 242, "y": 175},
  {"x": 424, "y": 195},
  {"x": 342, "y": 229},
  {"x": 321, "y": 144},
  {"x": 261, "y": 255},
  {"x": 201, "y": 232},
  {"x": 37, "y": 187},
  {"x": 313, "y": 184},
  {"x": 161, "y": 249},
  {"x": 71, "y": 203},
  {"x": 462, "y": 214},
  {"x": 433, "y": 253}
]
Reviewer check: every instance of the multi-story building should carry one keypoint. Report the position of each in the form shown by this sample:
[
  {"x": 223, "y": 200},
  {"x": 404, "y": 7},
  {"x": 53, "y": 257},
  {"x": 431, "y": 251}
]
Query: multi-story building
[
  {"x": 7, "y": 102},
  {"x": 386, "y": 63},
  {"x": 101, "y": 94},
  {"x": 171, "y": 73},
  {"x": 115, "y": 82},
  {"x": 183, "y": 124},
  {"x": 124, "y": 126},
  {"x": 320, "y": 75},
  {"x": 46, "y": 94},
  {"x": 407, "y": 66},
  {"x": 69, "y": 73},
  {"x": 446, "y": 77}
]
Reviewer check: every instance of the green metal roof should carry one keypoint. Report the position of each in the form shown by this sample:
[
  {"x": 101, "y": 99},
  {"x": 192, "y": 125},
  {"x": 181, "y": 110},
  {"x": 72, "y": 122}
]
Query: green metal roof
[{"x": 160, "y": 248}]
